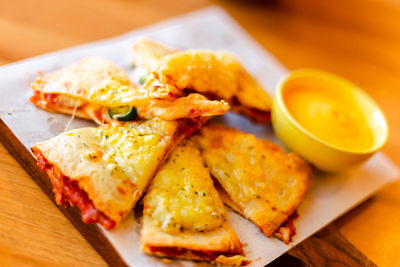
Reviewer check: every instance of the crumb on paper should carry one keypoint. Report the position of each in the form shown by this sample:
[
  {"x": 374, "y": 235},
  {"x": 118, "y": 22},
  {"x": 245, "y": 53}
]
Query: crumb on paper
[
  {"x": 9, "y": 113},
  {"x": 13, "y": 109}
]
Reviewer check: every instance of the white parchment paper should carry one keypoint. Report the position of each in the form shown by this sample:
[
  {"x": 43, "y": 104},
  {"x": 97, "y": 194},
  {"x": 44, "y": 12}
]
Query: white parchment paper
[{"x": 329, "y": 196}]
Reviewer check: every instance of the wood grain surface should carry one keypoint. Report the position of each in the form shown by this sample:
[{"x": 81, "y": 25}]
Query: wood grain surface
[
  {"x": 329, "y": 248},
  {"x": 358, "y": 39}
]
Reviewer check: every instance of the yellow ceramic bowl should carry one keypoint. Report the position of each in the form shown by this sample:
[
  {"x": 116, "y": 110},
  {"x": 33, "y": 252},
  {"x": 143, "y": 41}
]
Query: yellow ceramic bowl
[{"x": 322, "y": 154}]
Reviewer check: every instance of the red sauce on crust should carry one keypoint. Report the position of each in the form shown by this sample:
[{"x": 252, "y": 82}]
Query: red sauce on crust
[
  {"x": 67, "y": 192},
  {"x": 257, "y": 115},
  {"x": 46, "y": 100},
  {"x": 98, "y": 114},
  {"x": 287, "y": 230},
  {"x": 289, "y": 223},
  {"x": 53, "y": 102},
  {"x": 192, "y": 125},
  {"x": 51, "y": 98},
  {"x": 36, "y": 97}
]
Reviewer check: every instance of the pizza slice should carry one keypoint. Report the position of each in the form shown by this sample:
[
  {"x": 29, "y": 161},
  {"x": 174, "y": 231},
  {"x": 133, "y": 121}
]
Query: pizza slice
[
  {"x": 96, "y": 89},
  {"x": 105, "y": 170},
  {"x": 183, "y": 216},
  {"x": 168, "y": 73},
  {"x": 259, "y": 180}
]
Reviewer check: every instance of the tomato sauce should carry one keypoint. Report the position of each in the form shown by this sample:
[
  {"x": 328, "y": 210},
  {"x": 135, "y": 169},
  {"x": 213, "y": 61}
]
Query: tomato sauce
[{"x": 67, "y": 192}]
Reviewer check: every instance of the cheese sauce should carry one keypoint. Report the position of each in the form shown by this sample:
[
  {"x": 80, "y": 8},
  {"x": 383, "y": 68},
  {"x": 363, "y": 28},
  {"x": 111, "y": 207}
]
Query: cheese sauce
[{"x": 329, "y": 117}]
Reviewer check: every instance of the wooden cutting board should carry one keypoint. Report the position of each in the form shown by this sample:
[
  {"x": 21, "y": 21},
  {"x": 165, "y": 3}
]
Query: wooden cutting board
[
  {"x": 329, "y": 247},
  {"x": 325, "y": 248}
]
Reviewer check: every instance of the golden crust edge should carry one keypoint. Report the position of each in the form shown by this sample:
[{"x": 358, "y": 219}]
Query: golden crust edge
[{"x": 229, "y": 243}]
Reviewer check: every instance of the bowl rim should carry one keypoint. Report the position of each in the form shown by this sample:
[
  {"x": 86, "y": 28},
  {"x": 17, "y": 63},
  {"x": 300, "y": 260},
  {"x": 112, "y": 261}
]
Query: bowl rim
[{"x": 351, "y": 86}]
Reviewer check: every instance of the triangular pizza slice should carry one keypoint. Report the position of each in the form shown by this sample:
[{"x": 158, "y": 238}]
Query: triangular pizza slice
[
  {"x": 183, "y": 216},
  {"x": 96, "y": 89},
  {"x": 168, "y": 73},
  {"x": 259, "y": 180},
  {"x": 105, "y": 170}
]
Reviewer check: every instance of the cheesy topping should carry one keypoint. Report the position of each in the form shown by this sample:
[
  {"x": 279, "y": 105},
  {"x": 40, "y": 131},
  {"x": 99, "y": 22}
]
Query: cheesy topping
[
  {"x": 182, "y": 197},
  {"x": 127, "y": 151},
  {"x": 92, "y": 86},
  {"x": 217, "y": 74},
  {"x": 112, "y": 164},
  {"x": 249, "y": 169},
  {"x": 264, "y": 182},
  {"x": 92, "y": 79},
  {"x": 236, "y": 166}
]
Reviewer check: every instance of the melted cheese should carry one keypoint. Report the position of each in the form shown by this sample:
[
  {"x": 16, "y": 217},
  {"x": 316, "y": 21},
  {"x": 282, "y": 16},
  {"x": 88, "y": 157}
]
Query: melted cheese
[
  {"x": 216, "y": 74},
  {"x": 130, "y": 152},
  {"x": 182, "y": 197},
  {"x": 112, "y": 164},
  {"x": 191, "y": 106},
  {"x": 92, "y": 79},
  {"x": 329, "y": 117},
  {"x": 242, "y": 168},
  {"x": 94, "y": 84},
  {"x": 265, "y": 184}
]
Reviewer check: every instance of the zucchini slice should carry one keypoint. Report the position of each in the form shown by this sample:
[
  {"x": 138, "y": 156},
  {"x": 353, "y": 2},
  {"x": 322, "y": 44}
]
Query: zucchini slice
[{"x": 123, "y": 113}]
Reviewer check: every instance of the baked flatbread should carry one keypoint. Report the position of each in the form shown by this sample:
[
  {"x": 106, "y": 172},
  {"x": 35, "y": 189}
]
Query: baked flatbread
[
  {"x": 183, "y": 216},
  {"x": 94, "y": 88},
  {"x": 105, "y": 170},
  {"x": 260, "y": 180},
  {"x": 217, "y": 75}
]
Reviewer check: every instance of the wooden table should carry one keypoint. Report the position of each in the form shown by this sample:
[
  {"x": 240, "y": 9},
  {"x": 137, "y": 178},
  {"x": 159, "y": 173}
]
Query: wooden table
[{"x": 359, "y": 39}]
